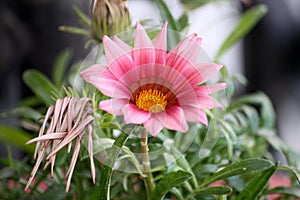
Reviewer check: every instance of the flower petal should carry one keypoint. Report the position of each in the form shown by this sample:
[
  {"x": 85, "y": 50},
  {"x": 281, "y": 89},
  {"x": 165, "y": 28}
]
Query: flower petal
[
  {"x": 125, "y": 47},
  {"x": 118, "y": 60},
  {"x": 113, "y": 106},
  {"x": 144, "y": 52},
  {"x": 185, "y": 53},
  {"x": 134, "y": 115},
  {"x": 207, "y": 71},
  {"x": 194, "y": 114},
  {"x": 209, "y": 89},
  {"x": 156, "y": 123},
  {"x": 176, "y": 119},
  {"x": 160, "y": 44}
]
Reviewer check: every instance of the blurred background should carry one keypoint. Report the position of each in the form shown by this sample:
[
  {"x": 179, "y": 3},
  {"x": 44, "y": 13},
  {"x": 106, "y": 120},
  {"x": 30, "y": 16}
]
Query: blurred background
[{"x": 269, "y": 56}]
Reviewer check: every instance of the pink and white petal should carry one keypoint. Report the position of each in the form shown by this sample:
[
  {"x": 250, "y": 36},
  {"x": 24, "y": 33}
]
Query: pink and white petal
[
  {"x": 194, "y": 114},
  {"x": 117, "y": 59},
  {"x": 160, "y": 44},
  {"x": 113, "y": 51},
  {"x": 208, "y": 102},
  {"x": 176, "y": 119},
  {"x": 208, "y": 70},
  {"x": 187, "y": 97},
  {"x": 144, "y": 51},
  {"x": 113, "y": 106},
  {"x": 185, "y": 53},
  {"x": 101, "y": 78},
  {"x": 125, "y": 47},
  {"x": 133, "y": 115},
  {"x": 209, "y": 89},
  {"x": 156, "y": 123}
]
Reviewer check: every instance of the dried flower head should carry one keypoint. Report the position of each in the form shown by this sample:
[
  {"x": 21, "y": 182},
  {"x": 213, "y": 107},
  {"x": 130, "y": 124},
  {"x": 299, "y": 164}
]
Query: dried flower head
[
  {"x": 109, "y": 17},
  {"x": 70, "y": 118}
]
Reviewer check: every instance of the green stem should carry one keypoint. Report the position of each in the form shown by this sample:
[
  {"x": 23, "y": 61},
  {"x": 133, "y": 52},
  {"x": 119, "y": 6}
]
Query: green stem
[{"x": 149, "y": 181}]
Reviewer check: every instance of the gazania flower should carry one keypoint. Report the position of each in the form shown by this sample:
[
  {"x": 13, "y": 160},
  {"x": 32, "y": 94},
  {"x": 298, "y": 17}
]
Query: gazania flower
[
  {"x": 70, "y": 117},
  {"x": 153, "y": 87}
]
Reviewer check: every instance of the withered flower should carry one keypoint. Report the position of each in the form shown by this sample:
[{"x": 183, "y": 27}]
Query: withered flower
[{"x": 69, "y": 119}]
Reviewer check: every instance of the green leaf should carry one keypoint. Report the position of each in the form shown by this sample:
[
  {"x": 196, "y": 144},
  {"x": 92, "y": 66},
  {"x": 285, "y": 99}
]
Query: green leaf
[
  {"x": 183, "y": 22},
  {"x": 60, "y": 66},
  {"x": 217, "y": 190},
  {"x": 239, "y": 168},
  {"x": 23, "y": 112},
  {"x": 168, "y": 182},
  {"x": 256, "y": 186},
  {"x": 194, "y": 4},
  {"x": 40, "y": 85},
  {"x": 291, "y": 170},
  {"x": 249, "y": 19},
  {"x": 16, "y": 137},
  {"x": 266, "y": 108},
  {"x": 83, "y": 18},
  {"x": 105, "y": 179},
  {"x": 291, "y": 191},
  {"x": 74, "y": 30}
]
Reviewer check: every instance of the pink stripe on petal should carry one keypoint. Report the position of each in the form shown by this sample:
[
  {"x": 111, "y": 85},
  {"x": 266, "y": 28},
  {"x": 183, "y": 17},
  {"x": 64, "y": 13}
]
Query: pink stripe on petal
[
  {"x": 193, "y": 114},
  {"x": 113, "y": 51},
  {"x": 209, "y": 89},
  {"x": 101, "y": 78},
  {"x": 207, "y": 102},
  {"x": 119, "y": 61},
  {"x": 160, "y": 44},
  {"x": 113, "y": 106},
  {"x": 125, "y": 47},
  {"x": 208, "y": 70},
  {"x": 144, "y": 52},
  {"x": 134, "y": 115},
  {"x": 185, "y": 53},
  {"x": 156, "y": 123},
  {"x": 176, "y": 119}
]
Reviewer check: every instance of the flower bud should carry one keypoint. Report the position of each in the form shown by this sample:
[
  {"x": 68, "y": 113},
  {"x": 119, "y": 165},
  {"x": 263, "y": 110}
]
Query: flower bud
[{"x": 109, "y": 17}]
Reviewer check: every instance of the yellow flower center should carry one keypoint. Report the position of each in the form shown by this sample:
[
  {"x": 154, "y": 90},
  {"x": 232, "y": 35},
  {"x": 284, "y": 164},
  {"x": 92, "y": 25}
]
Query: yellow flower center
[{"x": 151, "y": 100}]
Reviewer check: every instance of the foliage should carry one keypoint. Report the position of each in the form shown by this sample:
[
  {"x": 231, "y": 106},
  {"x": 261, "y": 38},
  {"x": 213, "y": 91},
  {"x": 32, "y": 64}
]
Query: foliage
[{"x": 229, "y": 159}]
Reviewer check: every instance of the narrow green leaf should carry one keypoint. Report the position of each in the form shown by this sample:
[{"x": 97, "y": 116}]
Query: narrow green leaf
[
  {"x": 168, "y": 182},
  {"x": 256, "y": 186},
  {"x": 60, "y": 66},
  {"x": 266, "y": 108},
  {"x": 183, "y": 22},
  {"x": 23, "y": 112},
  {"x": 180, "y": 160},
  {"x": 16, "y": 137},
  {"x": 105, "y": 179},
  {"x": 40, "y": 85},
  {"x": 217, "y": 190},
  {"x": 291, "y": 191},
  {"x": 249, "y": 19},
  {"x": 83, "y": 18},
  {"x": 292, "y": 170},
  {"x": 194, "y": 4},
  {"x": 239, "y": 168},
  {"x": 74, "y": 30}
]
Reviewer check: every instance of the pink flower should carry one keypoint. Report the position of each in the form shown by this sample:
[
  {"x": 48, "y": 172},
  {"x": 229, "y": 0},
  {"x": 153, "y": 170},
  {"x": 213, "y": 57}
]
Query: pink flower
[{"x": 153, "y": 87}]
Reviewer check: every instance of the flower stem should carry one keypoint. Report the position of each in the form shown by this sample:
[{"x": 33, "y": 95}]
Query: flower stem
[{"x": 149, "y": 181}]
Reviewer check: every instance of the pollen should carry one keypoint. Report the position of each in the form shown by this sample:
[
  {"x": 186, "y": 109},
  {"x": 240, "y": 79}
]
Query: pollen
[{"x": 151, "y": 100}]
